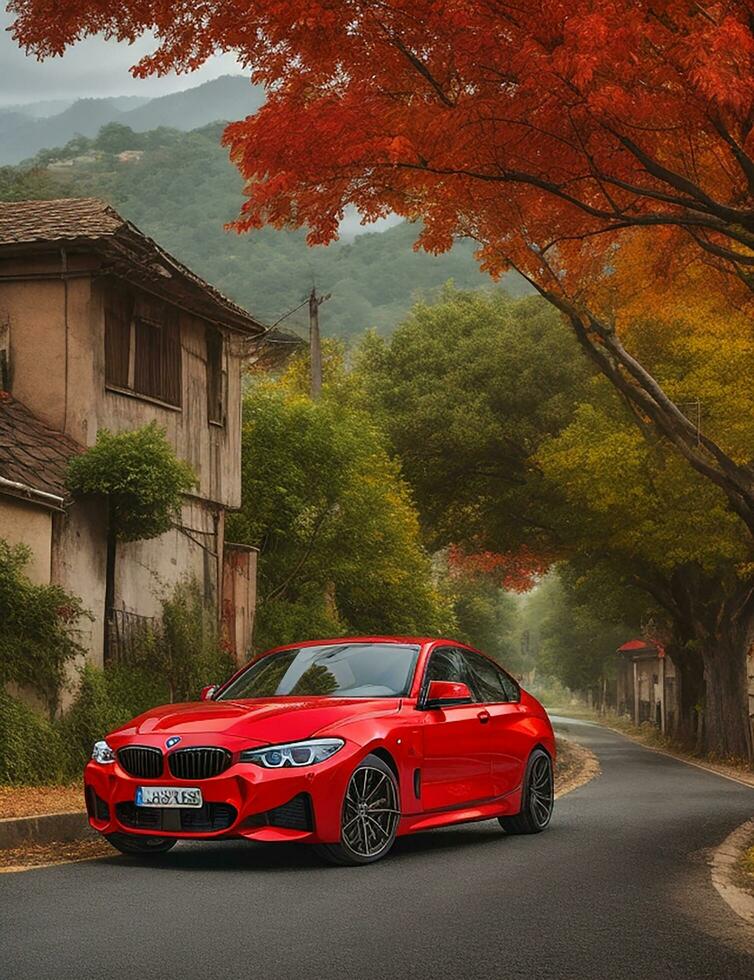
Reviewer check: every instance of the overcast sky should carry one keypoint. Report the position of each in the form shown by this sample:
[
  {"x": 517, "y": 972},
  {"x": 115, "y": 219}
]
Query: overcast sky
[{"x": 93, "y": 68}]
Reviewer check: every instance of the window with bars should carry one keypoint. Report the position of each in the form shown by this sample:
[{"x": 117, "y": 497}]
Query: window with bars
[
  {"x": 118, "y": 315},
  {"x": 142, "y": 346},
  {"x": 215, "y": 376}
]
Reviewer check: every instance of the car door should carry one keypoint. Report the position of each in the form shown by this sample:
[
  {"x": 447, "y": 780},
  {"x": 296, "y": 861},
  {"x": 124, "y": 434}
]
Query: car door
[
  {"x": 507, "y": 740},
  {"x": 457, "y": 763}
]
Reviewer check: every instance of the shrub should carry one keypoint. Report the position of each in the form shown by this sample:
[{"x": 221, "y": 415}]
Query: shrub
[
  {"x": 38, "y": 635},
  {"x": 105, "y": 701},
  {"x": 92, "y": 715},
  {"x": 189, "y": 651},
  {"x": 179, "y": 659},
  {"x": 31, "y": 750}
]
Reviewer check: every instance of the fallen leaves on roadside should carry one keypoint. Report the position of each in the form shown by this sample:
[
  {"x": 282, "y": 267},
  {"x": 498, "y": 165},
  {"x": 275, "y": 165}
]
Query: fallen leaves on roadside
[
  {"x": 56, "y": 852},
  {"x": 28, "y": 801},
  {"x": 574, "y": 765}
]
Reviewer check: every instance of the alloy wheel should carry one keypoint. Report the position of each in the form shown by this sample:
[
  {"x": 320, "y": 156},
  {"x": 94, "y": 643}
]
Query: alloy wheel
[
  {"x": 541, "y": 791},
  {"x": 370, "y": 812}
]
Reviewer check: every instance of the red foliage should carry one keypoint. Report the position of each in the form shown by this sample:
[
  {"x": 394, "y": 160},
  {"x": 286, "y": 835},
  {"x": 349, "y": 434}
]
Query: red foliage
[
  {"x": 523, "y": 125},
  {"x": 515, "y": 571}
]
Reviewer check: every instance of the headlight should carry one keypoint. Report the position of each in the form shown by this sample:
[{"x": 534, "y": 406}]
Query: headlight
[
  {"x": 102, "y": 753},
  {"x": 293, "y": 753}
]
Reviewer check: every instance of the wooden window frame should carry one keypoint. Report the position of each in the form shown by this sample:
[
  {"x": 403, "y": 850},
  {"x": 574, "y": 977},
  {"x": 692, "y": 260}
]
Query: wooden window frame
[
  {"x": 216, "y": 376},
  {"x": 154, "y": 375}
]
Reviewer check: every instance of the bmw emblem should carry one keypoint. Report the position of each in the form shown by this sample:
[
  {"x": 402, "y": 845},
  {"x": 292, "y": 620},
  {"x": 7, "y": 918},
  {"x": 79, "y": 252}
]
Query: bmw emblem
[{"x": 172, "y": 741}]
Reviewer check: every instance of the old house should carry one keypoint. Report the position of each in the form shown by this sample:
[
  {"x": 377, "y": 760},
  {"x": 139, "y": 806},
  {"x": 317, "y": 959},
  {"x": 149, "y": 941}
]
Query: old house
[
  {"x": 100, "y": 327},
  {"x": 647, "y": 684}
]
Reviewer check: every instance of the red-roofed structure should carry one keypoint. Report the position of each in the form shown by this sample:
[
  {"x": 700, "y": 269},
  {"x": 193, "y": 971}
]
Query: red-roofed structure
[{"x": 647, "y": 684}]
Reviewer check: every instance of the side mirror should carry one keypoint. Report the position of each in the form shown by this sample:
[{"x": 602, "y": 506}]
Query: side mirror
[
  {"x": 208, "y": 692},
  {"x": 444, "y": 694}
]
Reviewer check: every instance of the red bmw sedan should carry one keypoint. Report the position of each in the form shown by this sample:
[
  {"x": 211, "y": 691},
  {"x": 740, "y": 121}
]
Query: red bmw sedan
[{"x": 344, "y": 743}]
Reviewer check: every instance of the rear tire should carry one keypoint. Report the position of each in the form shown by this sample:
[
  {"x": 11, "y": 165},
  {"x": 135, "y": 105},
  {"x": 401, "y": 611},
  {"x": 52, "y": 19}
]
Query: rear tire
[
  {"x": 133, "y": 844},
  {"x": 537, "y": 798},
  {"x": 369, "y": 816}
]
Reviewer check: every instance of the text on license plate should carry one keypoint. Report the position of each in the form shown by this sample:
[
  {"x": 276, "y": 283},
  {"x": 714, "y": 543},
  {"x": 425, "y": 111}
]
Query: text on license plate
[{"x": 168, "y": 796}]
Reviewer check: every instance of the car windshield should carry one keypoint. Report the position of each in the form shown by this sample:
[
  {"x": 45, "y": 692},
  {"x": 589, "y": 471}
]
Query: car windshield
[{"x": 337, "y": 670}]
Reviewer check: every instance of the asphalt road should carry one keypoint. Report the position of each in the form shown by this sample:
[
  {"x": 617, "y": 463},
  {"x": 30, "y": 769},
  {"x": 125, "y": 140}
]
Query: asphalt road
[{"x": 617, "y": 887}]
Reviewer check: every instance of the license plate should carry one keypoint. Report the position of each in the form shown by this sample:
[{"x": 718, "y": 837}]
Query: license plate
[{"x": 168, "y": 796}]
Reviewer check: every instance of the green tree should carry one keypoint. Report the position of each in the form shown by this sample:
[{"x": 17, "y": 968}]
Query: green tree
[
  {"x": 114, "y": 138},
  {"x": 509, "y": 442},
  {"x": 646, "y": 516},
  {"x": 338, "y": 534},
  {"x": 467, "y": 388},
  {"x": 142, "y": 481}
]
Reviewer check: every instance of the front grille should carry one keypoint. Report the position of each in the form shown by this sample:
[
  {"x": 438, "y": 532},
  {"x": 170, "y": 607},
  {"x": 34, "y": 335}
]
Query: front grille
[
  {"x": 211, "y": 816},
  {"x": 296, "y": 814},
  {"x": 204, "y": 819},
  {"x": 143, "y": 818},
  {"x": 198, "y": 763},
  {"x": 141, "y": 760}
]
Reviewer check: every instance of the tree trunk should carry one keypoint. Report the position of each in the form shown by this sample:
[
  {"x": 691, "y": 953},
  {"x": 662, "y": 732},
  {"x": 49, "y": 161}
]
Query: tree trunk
[
  {"x": 690, "y": 679},
  {"x": 112, "y": 547},
  {"x": 713, "y": 631},
  {"x": 727, "y": 729}
]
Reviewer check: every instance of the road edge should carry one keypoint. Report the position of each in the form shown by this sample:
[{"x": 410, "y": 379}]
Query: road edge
[
  {"x": 723, "y": 872},
  {"x": 42, "y": 828}
]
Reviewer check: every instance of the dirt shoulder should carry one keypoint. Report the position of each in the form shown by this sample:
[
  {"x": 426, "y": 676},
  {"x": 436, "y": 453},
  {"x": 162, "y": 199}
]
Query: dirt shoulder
[
  {"x": 575, "y": 765},
  {"x": 744, "y": 873},
  {"x": 31, "y": 801}
]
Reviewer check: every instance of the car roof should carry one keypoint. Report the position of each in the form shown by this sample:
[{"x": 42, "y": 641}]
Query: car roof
[{"x": 327, "y": 641}]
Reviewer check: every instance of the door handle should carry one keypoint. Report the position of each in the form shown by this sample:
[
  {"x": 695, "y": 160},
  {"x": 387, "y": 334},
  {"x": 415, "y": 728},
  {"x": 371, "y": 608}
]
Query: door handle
[{"x": 484, "y": 717}]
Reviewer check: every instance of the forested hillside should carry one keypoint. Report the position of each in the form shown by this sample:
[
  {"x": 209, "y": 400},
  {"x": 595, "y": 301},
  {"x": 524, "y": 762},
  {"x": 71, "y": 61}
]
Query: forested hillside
[
  {"x": 183, "y": 190},
  {"x": 25, "y": 133}
]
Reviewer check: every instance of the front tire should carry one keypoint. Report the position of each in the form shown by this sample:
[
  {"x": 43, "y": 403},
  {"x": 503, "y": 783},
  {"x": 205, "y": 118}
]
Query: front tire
[
  {"x": 537, "y": 799},
  {"x": 133, "y": 844},
  {"x": 369, "y": 816}
]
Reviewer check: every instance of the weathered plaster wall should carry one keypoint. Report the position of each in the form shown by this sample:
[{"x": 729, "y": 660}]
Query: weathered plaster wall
[
  {"x": 213, "y": 451},
  {"x": 29, "y": 524},
  {"x": 148, "y": 571},
  {"x": 78, "y": 565}
]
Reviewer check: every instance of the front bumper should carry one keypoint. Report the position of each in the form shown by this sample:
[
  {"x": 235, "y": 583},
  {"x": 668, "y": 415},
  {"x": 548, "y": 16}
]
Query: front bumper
[{"x": 244, "y": 801}]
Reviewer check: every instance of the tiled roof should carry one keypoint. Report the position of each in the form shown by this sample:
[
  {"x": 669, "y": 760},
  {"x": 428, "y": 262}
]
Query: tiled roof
[
  {"x": 23, "y": 222},
  {"x": 31, "y": 453},
  {"x": 127, "y": 252}
]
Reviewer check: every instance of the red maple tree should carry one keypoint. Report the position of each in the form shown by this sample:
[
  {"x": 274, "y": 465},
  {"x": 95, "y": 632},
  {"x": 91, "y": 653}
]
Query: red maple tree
[{"x": 546, "y": 130}]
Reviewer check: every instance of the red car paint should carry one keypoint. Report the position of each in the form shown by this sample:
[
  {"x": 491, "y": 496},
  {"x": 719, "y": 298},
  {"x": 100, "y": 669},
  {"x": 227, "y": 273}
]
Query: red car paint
[{"x": 470, "y": 758}]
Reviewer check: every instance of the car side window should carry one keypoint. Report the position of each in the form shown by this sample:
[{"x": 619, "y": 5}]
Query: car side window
[
  {"x": 491, "y": 683},
  {"x": 510, "y": 686},
  {"x": 444, "y": 665}
]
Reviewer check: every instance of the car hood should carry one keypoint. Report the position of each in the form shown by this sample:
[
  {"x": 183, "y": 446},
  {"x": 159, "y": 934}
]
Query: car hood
[{"x": 261, "y": 720}]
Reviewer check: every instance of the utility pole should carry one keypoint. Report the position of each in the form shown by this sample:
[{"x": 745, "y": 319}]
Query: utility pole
[{"x": 315, "y": 348}]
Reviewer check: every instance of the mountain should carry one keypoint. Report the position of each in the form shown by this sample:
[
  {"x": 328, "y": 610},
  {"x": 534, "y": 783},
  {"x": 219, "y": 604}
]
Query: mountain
[
  {"x": 182, "y": 191},
  {"x": 44, "y": 108},
  {"x": 227, "y": 97}
]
